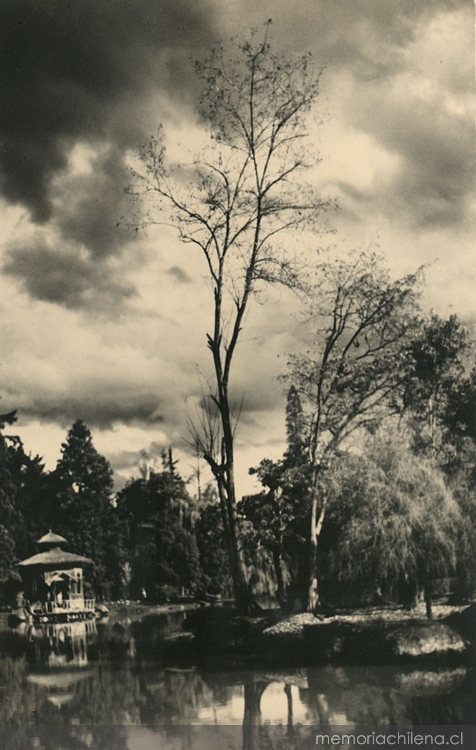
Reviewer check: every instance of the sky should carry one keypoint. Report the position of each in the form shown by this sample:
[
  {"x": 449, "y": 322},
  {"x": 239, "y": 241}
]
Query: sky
[{"x": 106, "y": 325}]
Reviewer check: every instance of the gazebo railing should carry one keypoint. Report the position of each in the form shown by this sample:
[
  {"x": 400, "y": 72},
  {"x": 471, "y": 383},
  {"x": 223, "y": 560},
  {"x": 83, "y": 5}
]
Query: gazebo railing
[{"x": 68, "y": 605}]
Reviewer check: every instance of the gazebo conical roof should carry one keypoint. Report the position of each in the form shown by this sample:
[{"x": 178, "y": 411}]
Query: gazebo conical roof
[
  {"x": 53, "y": 557},
  {"x": 56, "y": 557},
  {"x": 51, "y": 538}
]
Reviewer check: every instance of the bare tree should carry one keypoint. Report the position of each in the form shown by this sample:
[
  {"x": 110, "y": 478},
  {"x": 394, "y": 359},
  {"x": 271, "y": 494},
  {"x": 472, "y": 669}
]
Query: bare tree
[
  {"x": 232, "y": 204},
  {"x": 356, "y": 370}
]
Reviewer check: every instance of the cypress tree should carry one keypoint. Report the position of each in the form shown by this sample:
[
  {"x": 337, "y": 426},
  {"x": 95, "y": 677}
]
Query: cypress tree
[{"x": 83, "y": 510}]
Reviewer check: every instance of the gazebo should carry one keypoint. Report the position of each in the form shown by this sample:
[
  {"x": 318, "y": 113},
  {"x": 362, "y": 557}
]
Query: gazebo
[{"x": 53, "y": 582}]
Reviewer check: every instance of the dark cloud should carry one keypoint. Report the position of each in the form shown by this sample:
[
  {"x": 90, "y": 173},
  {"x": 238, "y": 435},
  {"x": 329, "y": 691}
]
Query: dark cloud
[
  {"x": 88, "y": 206},
  {"x": 73, "y": 71},
  {"x": 179, "y": 274},
  {"x": 365, "y": 36},
  {"x": 66, "y": 68},
  {"x": 434, "y": 182},
  {"x": 99, "y": 408},
  {"x": 70, "y": 279},
  {"x": 95, "y": 73},
  {"x": 84, "y": 73}
]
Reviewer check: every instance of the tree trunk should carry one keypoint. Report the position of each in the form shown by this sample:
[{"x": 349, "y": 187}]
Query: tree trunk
[
  {"x": 313, "y": 588},
  {"x": 279, "y": 577},
  {"x": 428, "y": 596},
  {"x": 245, "y": 601},
  {"x": 290, "y": 731},
  {"x": 252, "y": 716},
  {"x": 317, "y": 520}
]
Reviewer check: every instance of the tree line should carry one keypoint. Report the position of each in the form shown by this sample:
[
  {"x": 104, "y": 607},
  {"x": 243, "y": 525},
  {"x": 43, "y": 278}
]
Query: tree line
[
  {"x": 372, "y": 500},
  {"x": 145, "y": 541},
  {"x": 374, "y": 497}
]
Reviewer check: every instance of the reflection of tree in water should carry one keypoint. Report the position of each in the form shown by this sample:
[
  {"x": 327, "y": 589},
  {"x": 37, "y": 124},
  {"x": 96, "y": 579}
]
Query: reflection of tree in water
[
  {"x": 221, "y": 691},
  {"x": 149, "y": 632},
  {"x": 448, "y": 695},
  {"x": 47, "y": 684},
  {"x": 262, "y": 736},
  {"x": 142, "y": 638},
  {"x": 17, "y": 705},
  {"x": 113, "y": 694},
  {"x": 13, "y": 643},
  {"x": 131, "y": 690},
  {"x": 173, "y": 696},
  {"x": 290, "y": 721},
  {"x": 253, "y": 692},
  {"x": 64, "y": 737},
  {"x": 114, "y": 641},
  {"x": 342, "y": 695},
  {"x": 383, "y": 695}
]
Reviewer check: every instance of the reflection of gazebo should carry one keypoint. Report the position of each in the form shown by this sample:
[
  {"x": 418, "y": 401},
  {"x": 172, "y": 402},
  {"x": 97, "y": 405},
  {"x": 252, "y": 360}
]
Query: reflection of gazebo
[
  {"x": 53, "y": 582},
  {"x": 60, "y": 646},
  {"x": 58, "y": 657},
  {"x": 59, "y": 687}
]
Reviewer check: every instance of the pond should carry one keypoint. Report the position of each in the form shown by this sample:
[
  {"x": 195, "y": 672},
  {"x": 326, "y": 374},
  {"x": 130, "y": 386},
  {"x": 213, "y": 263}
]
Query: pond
[{"x": 84, "y": 676}]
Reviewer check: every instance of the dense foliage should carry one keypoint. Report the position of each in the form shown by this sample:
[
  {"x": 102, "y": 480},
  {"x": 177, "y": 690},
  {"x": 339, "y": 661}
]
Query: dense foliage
[
  {"x": 151, "y": 541},
  {"x": 156, "y": 515},
  {"x": 80, "y": 507},
  {"x": 392, "y": 511},
  {"x": 396, "y": 523}
]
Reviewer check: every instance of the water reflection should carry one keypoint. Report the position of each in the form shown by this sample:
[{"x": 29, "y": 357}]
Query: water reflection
[
  {"x": 58, "y": 658},
  {"x": 81, "y": 675},
  {"x": 60, "y": 646}
]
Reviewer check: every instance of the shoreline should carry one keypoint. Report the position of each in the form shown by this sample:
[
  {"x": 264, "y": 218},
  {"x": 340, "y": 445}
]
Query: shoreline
[{"x": 380, "y": 637}]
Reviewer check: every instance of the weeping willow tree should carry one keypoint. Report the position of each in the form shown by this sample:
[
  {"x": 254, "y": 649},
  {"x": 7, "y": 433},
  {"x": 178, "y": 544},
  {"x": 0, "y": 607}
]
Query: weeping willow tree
[
  {"x": 398, "y": 521},
  {"x": 231, "y": 205}
]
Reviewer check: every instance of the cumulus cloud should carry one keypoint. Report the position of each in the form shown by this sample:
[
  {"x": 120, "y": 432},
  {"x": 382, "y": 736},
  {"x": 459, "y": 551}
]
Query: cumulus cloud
[
  {"x": 367, "y": 36},
  {"x": 425, "y": 118},
  {"x": 67, "y": 278},
  {"x": 98, "y": 76},
  {"x": 72, "y": 72}
]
